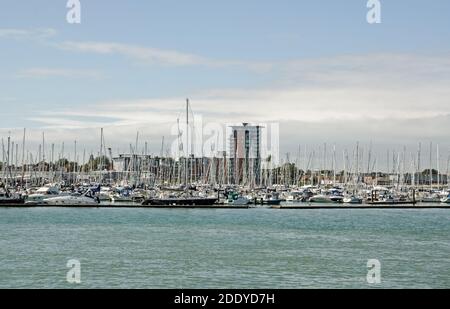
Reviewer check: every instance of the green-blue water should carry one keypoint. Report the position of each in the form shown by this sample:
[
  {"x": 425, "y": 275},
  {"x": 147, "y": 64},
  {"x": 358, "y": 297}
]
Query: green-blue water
[{"x": 255, "y": 248}]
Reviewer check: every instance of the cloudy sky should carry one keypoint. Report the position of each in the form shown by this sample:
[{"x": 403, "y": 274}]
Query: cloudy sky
[{"x": 316, "y": 67}]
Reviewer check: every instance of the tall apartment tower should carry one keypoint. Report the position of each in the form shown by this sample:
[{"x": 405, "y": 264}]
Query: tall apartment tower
[{"x": 245, "y": 154}]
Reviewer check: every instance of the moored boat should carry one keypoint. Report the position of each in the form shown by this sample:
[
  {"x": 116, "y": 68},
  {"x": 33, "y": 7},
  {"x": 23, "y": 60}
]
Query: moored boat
[
  {"x": 446, "y": 200},
  {"x": 6, "y": 198},
  {"x": 320, "y": 198},
  {"x": 43, "y": 193},
  {"x": 191, "y": 201},
  {"x": 89, "y": 198},
  {"x": 353, "y": 200}
]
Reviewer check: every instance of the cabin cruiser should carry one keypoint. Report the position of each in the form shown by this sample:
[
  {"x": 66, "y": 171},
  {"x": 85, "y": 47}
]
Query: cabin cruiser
[
  {"x": 271, "y": 199},
  {"x": 352, "y": 200},
  {"x": 294, "y": 196},
  {"x": 390, "y": 199},
  {"x": 138, "y": 195},
  {"x": 239, "y": 201},
  {"x": 43, "y": 193},
  {"x": 180, "y": 201},
  {"x": 236, "y": 200},
  {"x": 326, "y": 198},
  {"x": 86, "y": 199},
  {"x": 290, "y": 198},
  {"x": 432, "y": 198},
  {"x": 119, "y": 198},
  {"x": 320, "y": 198},
  {"x": 122, "y": 194},
  {"x": 105, "y": 194},
  {"x": 446, "y": 200},
  {"x": 337, "y": 198}
]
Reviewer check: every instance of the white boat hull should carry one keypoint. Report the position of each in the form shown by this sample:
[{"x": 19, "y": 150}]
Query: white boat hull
[{"x": 71, "y": 201}]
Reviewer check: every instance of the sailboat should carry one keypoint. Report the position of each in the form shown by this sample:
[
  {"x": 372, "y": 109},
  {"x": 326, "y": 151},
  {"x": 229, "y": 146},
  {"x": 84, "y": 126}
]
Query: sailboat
[
  {"x": 186, "y": 198},
  {"x": 6, "y": 198}
]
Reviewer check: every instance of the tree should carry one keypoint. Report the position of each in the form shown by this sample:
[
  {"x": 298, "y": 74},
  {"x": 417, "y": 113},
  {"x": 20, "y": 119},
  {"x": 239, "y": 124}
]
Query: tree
[{"x": 98, "y": 163}]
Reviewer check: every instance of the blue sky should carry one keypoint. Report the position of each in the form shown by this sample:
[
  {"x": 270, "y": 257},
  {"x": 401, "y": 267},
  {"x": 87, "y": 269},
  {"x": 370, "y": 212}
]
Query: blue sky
[{"x": 295, "y": 57}]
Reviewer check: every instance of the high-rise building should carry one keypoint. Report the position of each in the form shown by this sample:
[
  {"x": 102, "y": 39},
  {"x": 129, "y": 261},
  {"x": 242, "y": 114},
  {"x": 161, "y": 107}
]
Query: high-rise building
[{"x": 245, "y": 154}]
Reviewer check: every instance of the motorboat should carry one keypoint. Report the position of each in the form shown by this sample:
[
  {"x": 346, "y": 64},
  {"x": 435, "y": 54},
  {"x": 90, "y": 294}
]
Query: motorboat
[
  {"x": 271, "y": 199},
  {"x": 239, "y": 201},
  {"x": 138, "y": 195},
  {"x": 446, "y": 200},
  {"x": 119, "y": 198},
  {"x": 180, "y": 201},
  {"x": 105, "y": 194},
  {"x": 320, "y": 198},
  {"x": 336, "y": 198},
  {"x": 43, "y": 193},
  {"x": 431, "y": 198},
  {"x": 233, "y": 198},
  {"x": 87, "y": 199},
  {"x": 122, "y": 195},
  {"x": 352, "y": 200}
]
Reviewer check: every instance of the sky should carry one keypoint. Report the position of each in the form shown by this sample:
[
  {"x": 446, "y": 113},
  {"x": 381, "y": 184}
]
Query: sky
[{"x": 317, "y": 68}]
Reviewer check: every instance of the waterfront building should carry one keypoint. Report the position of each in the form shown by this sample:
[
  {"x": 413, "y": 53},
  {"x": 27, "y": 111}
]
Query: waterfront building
[{"x": 245, "y": 154}]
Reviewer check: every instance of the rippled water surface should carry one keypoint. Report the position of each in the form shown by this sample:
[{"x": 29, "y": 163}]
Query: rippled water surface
[{"x": 219, "y": 248}]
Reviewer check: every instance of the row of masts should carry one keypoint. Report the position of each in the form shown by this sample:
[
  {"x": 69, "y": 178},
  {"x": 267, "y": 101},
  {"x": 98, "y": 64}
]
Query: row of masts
[{"x": 310, "y": 167}]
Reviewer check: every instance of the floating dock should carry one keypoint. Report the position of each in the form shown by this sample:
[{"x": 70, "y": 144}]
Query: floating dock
[
  {"x": 126, "y": 206},
  {"x": 299, "y": 207},
  {"x": 373, "y": 206}
]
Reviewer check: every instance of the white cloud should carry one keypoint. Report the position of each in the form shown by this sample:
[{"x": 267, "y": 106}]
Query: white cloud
[
  {"x": 12, "y": 33},
  {"x": 59, "y": 72},
  {"x": 396, "y": 99},
  {"x": 156, "y": 56},
  {"x": 145, "y": 54}
]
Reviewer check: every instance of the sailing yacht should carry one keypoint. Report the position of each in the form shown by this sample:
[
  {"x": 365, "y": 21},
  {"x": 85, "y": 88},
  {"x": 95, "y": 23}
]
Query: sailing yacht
[
  {"x": 187, "y": 198},
  {"x": 6, "y": 198}
]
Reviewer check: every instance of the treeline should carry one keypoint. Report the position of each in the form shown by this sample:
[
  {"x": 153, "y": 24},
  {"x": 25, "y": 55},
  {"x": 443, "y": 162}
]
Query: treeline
[{"x": 64, "y": 165}]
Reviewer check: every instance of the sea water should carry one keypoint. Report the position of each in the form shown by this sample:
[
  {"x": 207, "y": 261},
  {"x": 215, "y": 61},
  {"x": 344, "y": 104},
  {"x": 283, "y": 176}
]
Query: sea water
[{"x": 224, "y": 248}]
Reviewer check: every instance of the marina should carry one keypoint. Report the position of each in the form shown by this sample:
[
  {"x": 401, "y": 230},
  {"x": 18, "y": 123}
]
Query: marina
[
  {"x": 225, "y": 152},
  {"x": 239, "y": 177},
  {"x": 293, "y": 206}
]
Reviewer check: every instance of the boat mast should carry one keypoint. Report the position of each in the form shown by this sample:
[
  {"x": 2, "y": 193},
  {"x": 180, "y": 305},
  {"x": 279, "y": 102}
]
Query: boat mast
[
  {"x": 334, "y": 165},
  {"x": 52, "y": 165},
  {"x": 7, "y": 159},
  {"x": 23, "y": 157},
  {"x": 431, "y": 166},
  {"x": 101, "y": 153},
  {"x": 438, "y": 166},
  {"x": 187, "y": 143},
  {"x": 75, "y": 163},
  {"x": 419, "y": 172}
]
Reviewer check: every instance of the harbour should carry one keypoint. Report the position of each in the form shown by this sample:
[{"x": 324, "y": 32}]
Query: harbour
[
  {"x": 225, "y": 152},
  {"x": 242, "y": 175}
]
